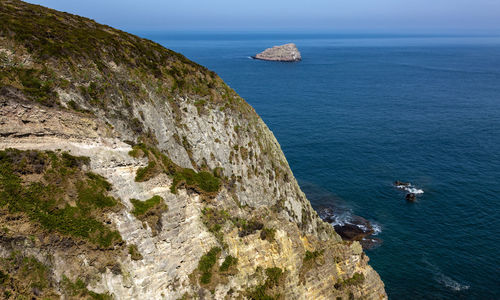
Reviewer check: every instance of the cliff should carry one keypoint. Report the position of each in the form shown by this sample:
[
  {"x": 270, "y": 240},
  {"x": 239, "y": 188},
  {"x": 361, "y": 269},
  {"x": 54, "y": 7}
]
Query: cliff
[
  {"x": 286, "y": 53},
  {"x": 129, "y": 172}
]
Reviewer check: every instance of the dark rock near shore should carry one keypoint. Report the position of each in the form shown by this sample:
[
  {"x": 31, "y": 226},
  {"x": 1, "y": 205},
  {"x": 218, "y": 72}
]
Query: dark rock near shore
[
  {"x": 351, "y": 232},
  {"x": 370, "y": 243},
  {"x": 355, "y": 229}
]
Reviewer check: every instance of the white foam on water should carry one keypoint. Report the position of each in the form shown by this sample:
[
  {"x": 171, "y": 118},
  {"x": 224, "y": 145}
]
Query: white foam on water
[
  {"x": 410, "y": 189},
  {"x": 346, "y": 217},
  {"x": 415, "y": 190},
  {"x": 446, "y": 280},
  {"x": 450, "y": 283},
  {"x": 363, "y": 227},
  {"x": 376, "y": 228},
  {"x": 337, "y": 218},
  {"x": 342, "y": 219}
]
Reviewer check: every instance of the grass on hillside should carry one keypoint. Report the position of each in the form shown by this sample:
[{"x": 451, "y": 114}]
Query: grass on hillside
[{"x": 65, "y": 199}]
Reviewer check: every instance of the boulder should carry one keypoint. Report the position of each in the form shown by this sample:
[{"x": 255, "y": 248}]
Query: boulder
[
  {"x": 351, "y": 232},
  {"x": 410, "y": 197},
  {"x": 400, "y": 183},
  {"x": 357, "y": 229}
]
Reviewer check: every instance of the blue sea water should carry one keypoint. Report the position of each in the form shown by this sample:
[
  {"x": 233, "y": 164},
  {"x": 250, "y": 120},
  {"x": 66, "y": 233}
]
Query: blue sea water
[{"x": 362, "y": 111}]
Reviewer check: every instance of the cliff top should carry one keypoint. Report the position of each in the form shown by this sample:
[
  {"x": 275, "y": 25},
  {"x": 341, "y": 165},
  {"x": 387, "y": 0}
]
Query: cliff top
[
  {"x": 55, "y": 35},
  {"x": 72, "y": 45}
]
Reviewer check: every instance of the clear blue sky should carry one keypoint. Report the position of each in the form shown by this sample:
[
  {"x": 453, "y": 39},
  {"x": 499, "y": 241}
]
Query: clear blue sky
[{"x": 339, "y": 16}]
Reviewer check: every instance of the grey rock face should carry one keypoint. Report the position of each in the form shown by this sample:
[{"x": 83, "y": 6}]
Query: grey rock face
[{"x": 287, "y": 52}]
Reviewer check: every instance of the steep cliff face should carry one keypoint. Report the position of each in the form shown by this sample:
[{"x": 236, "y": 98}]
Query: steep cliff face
[{"x": 129, "y": 171}]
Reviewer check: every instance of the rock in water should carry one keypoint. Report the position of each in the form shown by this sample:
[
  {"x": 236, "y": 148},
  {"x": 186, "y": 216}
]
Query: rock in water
[
  {"x": 410, "y": 197},
  {"x": 287, "y": 52},
  {"x": 351, "y": 232}
]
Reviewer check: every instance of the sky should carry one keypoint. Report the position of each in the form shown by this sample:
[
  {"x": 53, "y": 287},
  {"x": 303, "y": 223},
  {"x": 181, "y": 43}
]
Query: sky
[{"x": 337, "y": 16}]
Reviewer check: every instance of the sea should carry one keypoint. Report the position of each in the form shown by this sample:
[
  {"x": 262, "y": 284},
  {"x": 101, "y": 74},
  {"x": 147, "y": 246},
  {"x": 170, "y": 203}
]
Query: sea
[{"x": 362, "y": 111}]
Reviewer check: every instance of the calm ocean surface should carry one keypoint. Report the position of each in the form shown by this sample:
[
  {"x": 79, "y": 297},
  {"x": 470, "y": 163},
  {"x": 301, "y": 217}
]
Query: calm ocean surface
[{"x": 360, "y": 112}]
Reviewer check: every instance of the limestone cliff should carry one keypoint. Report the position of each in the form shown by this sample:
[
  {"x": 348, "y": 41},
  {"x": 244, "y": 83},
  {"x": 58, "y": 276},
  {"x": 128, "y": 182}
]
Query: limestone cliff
[{"x": 129, "y": 172}]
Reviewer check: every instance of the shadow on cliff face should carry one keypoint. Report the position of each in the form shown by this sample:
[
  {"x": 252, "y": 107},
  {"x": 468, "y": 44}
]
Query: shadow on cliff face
[{"x": 334, "y": 210}]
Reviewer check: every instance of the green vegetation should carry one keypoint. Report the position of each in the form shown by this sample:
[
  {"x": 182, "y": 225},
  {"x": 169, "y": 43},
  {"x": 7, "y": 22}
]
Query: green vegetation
[
  {"x": 146, "y": 173},
  {"x": 135, "y": 152},
  {"x": 37, "y": 84},
  {"x": 134, "y": 252},
  {"x": 36, "y": 87},
  {"x": 136, "y": 125},
  {"x": 43, "y": 201},
  {"x": 270, "y": 289},
  {"x": 142, "y": 207},
  {"x": 79, "y": 289},
  {"x": 260, "y": 293},
  {"x": 200, "y": 104},
  {"x": 228, "y": 262},
  {"x": 247, "y": 227},
  {"x": 244, "y": 153},
  {"x": 273, "y": 276},
  {"x": 309, "y": 262},
  {"x": 356, "y": 279},
  {"x": 92, "y": 193},
  {"x": 21, "y": 275},
  {"x": 139, "y": 150},
  {"x": 150, "y": 211},
  {"x": 203, "y": 182},
  {"x": 268, "y": 234},
  {"x": 74, "y": 106},
  {"x": 209, "y": 275},
  {"x": 310, "y": 256},
  {"x": 206, "y": 264},
  {"x": 92, "y": 93},
  {"x": 155, "y": 165},
  {"x": 77, "y": 38},
  {"x": 77, "y": 55},
  {"x": 3, "y": 277},
  {"x": 214, "y": 219},
  {"x": 30, "y": 267},
  {"x": 71, "y": 42},
  {"x": 25, "y": 277}
]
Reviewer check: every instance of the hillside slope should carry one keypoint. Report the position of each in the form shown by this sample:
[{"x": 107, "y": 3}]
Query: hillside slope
[{"x": 128, "y": 171}]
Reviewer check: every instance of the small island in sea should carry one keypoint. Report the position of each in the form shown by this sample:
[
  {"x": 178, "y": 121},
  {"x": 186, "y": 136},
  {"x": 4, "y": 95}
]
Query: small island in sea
[{"x": 286, "y": 53}]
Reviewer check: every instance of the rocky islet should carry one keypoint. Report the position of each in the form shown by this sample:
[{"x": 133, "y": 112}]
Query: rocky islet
[{"x": 283, "y": 53}]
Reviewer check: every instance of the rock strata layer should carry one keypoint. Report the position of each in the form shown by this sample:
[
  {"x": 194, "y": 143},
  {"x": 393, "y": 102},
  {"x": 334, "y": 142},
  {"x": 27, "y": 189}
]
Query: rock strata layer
[{"x": 287, "y": 53}]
